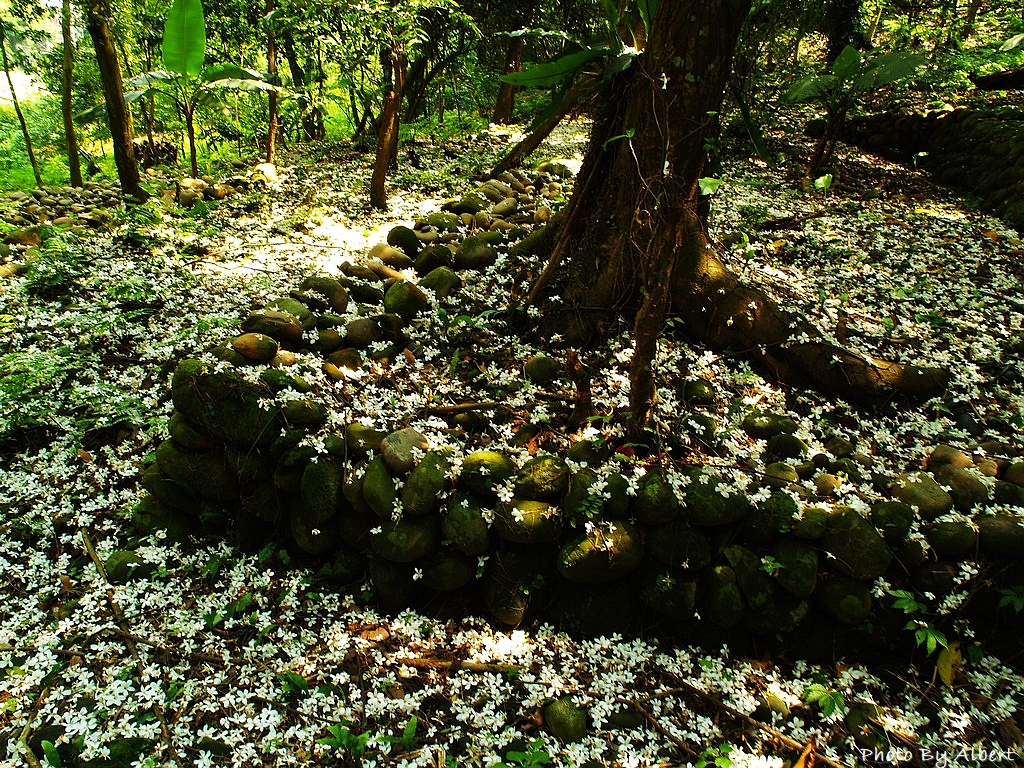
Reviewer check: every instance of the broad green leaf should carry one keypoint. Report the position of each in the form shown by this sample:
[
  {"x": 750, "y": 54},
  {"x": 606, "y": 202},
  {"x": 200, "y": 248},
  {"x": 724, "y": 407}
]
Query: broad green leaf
[
  {"x": 553, "y": 72},
  {"x": 709, "y": 186},
  {"x": 184, "y": 47},
  {"x": 888, "y": 69},
  {"x": 230, "y": 71},
  {"x": 647, "y": 9},
  {"x": 813, "y": 87},
  {"x": 1012, "y": 43},
  {"x": 619, "y": 64},
  {"x": 847, "y": 63},
  {"x": 611, "y": 13}
]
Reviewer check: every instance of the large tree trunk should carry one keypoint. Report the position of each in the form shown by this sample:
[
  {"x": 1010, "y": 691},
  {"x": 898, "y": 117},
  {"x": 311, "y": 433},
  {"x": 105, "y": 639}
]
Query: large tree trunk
[
  {"x": 113, "y": 93},
  {"x": 633, "y": 239},
  {"x": 17, "y": 106},
  {"x": 70, "y": 139}
]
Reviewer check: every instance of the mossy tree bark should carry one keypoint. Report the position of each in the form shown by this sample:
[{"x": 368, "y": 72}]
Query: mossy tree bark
[{"x": 633, "y": 240}]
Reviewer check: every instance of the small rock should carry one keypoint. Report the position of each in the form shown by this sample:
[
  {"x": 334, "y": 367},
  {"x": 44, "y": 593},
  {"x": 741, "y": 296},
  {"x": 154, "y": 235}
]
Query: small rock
[
  {"x": 947, "y": 454},
  {"x": 402, "y": 449},
  {"x": 257, "y": 347}
]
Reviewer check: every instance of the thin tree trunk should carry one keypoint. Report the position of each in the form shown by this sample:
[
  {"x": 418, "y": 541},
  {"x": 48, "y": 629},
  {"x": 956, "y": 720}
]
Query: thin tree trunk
[
  {"x": 583, "y": 87},
  {"x": 504, "y": 105},
  {"x": 190, "y": 129},
  {"x": 17, "y": 106},
  {"x": 70, "y": 139},
  {"x": 387, "y": 138},
  {"x": 119, "y": 117},
  {"x": 272, "y": 73}
]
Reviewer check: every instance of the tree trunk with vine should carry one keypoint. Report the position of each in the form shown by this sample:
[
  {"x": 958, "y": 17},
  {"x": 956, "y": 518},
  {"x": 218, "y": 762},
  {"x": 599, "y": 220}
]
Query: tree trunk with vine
[{"x": 633, "y": 242}]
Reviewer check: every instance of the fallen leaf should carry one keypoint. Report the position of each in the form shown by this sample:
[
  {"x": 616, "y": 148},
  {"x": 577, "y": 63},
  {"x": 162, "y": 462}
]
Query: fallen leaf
[
  {"x": 807, "y": 756},
  {"x": 949, "y": 663}
]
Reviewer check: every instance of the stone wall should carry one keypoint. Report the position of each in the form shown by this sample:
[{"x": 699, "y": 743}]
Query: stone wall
[
  {"x": 981, "y": 153},
  {"x": 595, "y": 541}
]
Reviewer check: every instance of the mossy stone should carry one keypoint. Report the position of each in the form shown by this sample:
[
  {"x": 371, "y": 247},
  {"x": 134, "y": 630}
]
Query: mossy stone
[
  {"x": 566, "y": 719},
  {"x": 407, "y": 539},
  {"x": 432, "y": 257},
  {"x": 786, "y": 446},
  {"x": 755, "y": 583},
  {"x": 328, "y": 340},
  {"x": 202, "y": 474},
  {"x": 779, "y": 615},
  {"x": 379, "y": 488},
  {"x": 590, "y": 452},
  {"x": 856, "y": 546},
  {"x": 483, "y": 471},
  {"x": 150, "y": 516},
  {"x": 709, "y": 502},
  {"x": 224, "y": 404},
  {"x": 279, "y": 380},
  {"x": 295, "y": 308},
  {"x": 1009, "y": 494},
  {"x": 336, "y": 293},
  {"x": 779, "y": 474},
  {"x": 250, "y": 466},
  {"x": 282, "y": 326},
  {"x": 1001, "y": 534},
  {"x": 352, "y": 490},
  {"x": 601, "y": 610},
  {"x": 355, "y": 525},
  {"x": 581, "y": 502},
  {"x": 465, "y": 525},
  {"x": 311, "y": 531},
  {"x": 448, "y": 569},
  {"x": 442, "y": 281},
  {"x": 362, "y": 439},
  {"x": 798, "y": 566},
  {"x": 187, "y": 435},
  {"x": 1015, "y": 473},
  {"x": 720, "y": 598},
  {"x": 347, "y": 565},
  {"x": 679, "y": 546},
  {"x": 166, "y": 491},
  {"x": 848, "y": 600},
  {"x": 475, "y": 253},
  {"x": 516, "y": 582},
  {"x": 606, "y": 552},
  {"x": 401, "y": 448},
  {"x": 920, "y": 490},
  {"x": 406, "y": 300},
  {"x": 701, "y": 427},
  {"x": 699, "y": 392},
  {"x": 392, "y": 583},
  {"x": 893, "y": 519},
  {"x": 404, "y": 238},
  {"x": 966, "y": 488},
  {"x": 303, "y": 412},
  {"x": 769, "y": 518},
  {"x": 444, "y": 221},
  {"x": 226, "y": 353},
  {"x": 263, "y": 501},
  {"x": 763, "y": 426},
  {"x": 123, "y": 566},
  {"x": 425, "y": 483},
  {"x": 951, "y": 538},
  {"x": 527, "y": 521},
  {"x": 655, "y": 502},
  {"x": 542, "y": 477},
  {"x": 812, "y": 524},
  {"x": 257, "y": 347},
  {"x": 667, "y": 591},
  {"x": 542, "y": 369},
  {"x": 321, "y": 488}
]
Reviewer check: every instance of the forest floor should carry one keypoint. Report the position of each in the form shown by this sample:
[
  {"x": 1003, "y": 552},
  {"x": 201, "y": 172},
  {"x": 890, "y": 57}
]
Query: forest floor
[{"x": 222, "y": 658}]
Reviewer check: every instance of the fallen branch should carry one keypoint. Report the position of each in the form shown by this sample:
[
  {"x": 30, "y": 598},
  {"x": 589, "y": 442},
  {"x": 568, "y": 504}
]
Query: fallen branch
[
  {"x": 454, "y": 665},
  {"x": 775, "y": 734}
]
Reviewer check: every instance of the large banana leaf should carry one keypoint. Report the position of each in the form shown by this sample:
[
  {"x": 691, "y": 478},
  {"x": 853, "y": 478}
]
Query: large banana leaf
[
  {"x": 553, "y": 72},
  {"x": 184, "y": 47}
]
